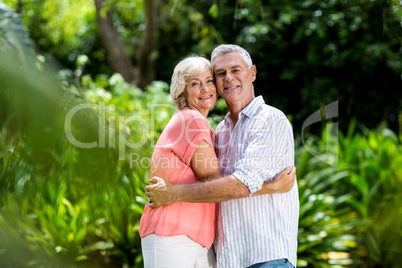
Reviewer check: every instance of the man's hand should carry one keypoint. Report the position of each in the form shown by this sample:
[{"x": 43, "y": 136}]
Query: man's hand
[
  {"x": 159, "y": 192},
  {"x": 284, "y": 181}
]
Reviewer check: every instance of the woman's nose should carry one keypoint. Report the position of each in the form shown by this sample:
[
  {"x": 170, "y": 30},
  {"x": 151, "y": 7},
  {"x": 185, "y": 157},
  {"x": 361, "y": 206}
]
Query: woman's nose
[{"x": 202, "y": 87}]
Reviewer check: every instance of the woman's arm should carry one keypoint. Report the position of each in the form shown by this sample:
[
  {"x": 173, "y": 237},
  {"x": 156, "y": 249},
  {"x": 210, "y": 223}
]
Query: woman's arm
[
  {"x": 204, "y": 162},
  {"x": 205, "y": 165}
]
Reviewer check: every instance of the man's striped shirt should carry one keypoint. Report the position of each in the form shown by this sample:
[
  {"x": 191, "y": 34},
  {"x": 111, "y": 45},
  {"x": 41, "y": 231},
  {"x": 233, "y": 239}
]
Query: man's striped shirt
[{"x": 262, "y": 228}]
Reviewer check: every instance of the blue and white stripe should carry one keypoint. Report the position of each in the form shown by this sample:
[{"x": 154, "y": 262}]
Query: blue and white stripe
[{"x": 262, "y": 228}]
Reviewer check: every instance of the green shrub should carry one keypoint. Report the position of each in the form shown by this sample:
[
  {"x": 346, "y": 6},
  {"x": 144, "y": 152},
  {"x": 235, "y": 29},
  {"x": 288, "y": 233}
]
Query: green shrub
[
  {"x": 62, "y": 205},
  {"x": 351, "y": 212}
]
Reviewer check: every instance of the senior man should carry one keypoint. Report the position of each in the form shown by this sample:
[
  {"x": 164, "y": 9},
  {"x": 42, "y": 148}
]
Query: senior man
[{"x": 254, "y": 142}]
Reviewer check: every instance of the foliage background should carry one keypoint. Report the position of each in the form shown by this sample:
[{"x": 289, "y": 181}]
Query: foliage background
[
  {"x": 316, "y": 51},
  {"x": 65, "y": 206}
]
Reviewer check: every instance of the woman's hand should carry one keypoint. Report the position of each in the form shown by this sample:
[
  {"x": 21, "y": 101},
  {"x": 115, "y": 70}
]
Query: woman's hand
[{"x": 284, "y": 181}]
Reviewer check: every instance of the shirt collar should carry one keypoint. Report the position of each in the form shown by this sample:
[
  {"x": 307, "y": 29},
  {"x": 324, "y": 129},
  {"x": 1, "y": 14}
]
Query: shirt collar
[{"x": 250, "y": 110}]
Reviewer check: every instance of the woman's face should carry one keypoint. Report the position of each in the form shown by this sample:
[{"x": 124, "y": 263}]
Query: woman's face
[{"x": 201, "y": 92}]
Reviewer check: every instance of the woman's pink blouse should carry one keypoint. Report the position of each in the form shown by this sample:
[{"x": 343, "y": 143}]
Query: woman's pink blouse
[{"x": 171, "y": 161}]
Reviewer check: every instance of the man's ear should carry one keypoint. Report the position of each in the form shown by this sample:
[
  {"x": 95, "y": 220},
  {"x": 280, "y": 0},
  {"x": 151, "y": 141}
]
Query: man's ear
[{"x": 253, "y": 72}]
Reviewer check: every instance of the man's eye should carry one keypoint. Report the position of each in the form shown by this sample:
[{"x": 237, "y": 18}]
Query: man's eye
[{"x": 220, "y": 74}]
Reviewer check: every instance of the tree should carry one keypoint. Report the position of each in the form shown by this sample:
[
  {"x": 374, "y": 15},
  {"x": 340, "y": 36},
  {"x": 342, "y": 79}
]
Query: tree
[
  {"x": 311, "y": 53},
  {"x": 143, "y": 72},
  {"x": 118, "y": 58},
  {"x": 308, "y": 53}
]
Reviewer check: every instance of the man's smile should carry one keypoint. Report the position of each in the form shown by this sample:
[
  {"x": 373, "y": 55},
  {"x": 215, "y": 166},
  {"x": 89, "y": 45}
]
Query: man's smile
[{"x": 230, "y": 88}]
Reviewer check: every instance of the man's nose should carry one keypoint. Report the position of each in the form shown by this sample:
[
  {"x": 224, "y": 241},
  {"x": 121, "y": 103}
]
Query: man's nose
[{"x": 228, "y": 77}]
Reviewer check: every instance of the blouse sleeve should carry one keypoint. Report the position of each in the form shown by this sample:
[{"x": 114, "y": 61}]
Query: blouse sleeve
[{"x": 187, "y": 130}]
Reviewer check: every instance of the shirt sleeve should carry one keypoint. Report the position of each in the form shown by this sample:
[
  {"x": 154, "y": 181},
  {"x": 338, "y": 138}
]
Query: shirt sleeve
[
  {"x": 190, "y": 128},
  {"x": 269, "y": 151}
]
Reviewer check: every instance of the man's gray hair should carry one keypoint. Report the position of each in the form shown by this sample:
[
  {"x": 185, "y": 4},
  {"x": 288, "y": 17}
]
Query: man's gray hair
[{"x": 223, "y": 49}]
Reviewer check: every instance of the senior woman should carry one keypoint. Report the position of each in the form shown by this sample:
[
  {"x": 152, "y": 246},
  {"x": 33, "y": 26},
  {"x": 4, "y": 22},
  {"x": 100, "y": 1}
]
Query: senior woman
[{"x": 181, "y": 234}]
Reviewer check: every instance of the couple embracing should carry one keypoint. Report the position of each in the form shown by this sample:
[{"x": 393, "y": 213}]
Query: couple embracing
[{"x": 227, "y": 198}]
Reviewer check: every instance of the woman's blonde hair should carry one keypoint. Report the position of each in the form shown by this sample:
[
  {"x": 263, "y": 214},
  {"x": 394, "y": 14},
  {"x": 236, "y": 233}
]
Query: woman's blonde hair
[{"x": 184, "y": 69}]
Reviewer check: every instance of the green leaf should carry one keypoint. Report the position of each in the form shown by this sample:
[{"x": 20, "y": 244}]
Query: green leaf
[{"x": 213, "y": 11}]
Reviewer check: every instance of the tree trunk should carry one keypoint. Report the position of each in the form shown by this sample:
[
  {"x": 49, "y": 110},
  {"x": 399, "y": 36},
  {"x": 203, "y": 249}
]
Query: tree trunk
[
  {"x": 117, "y": 56},
  {"x": 19, "y": 7},
  {"x": 148, "y": 43}
]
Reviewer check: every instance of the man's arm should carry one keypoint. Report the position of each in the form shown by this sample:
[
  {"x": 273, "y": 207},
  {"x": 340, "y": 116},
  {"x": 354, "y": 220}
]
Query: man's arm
[
  {"x": 268, "y": 151},
  {"x": 163, "y": 193}
]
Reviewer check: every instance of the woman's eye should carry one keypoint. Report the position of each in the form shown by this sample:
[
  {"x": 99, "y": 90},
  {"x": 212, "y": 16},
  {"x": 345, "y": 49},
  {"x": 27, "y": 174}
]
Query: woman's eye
[
  {"x": 210, "y": 81},
  {"x": 194, "y": 84}
]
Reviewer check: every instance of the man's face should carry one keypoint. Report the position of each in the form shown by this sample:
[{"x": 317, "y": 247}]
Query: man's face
[{"x": 234, "y": 80}]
